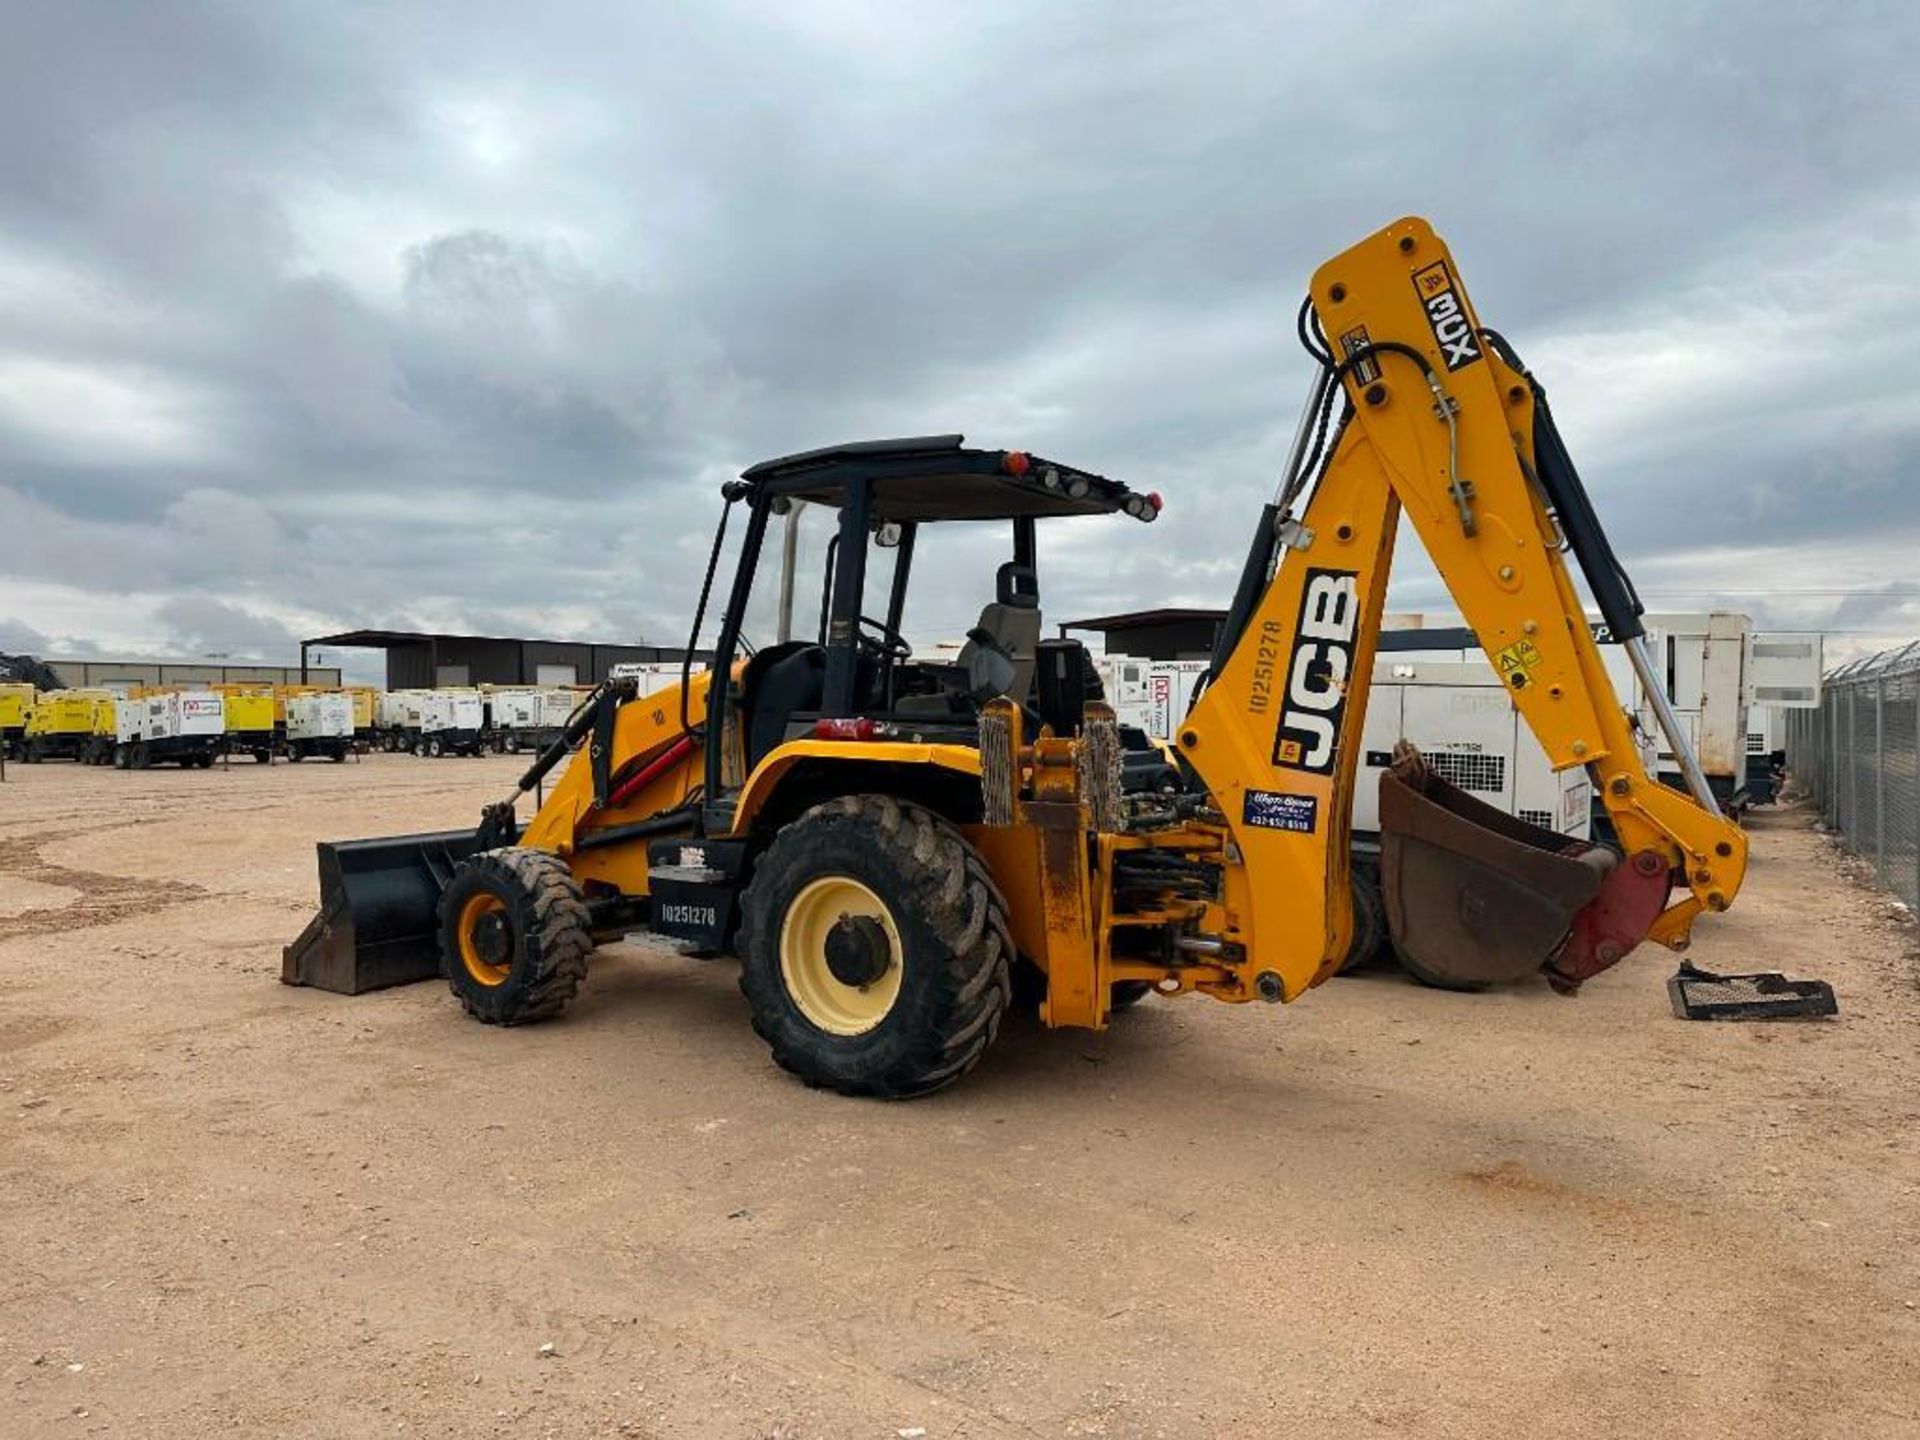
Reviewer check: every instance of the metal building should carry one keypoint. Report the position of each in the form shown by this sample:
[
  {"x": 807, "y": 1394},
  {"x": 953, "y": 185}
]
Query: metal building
[
  {"x": 92, "y": 672},
  {"x": 1172, "y": 633},
  {"x": 418, "y": 660}
]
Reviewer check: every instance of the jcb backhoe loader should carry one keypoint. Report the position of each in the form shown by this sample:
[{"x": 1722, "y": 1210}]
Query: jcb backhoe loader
[{"x": 891, "y": 844}]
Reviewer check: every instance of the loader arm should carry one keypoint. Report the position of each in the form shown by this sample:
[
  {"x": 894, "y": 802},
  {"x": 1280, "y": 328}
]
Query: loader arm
[{"x": 1443, "y": 428}]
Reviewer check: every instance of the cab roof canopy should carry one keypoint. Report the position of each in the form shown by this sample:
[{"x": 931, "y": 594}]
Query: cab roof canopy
[{"x": 935, "y": 477}]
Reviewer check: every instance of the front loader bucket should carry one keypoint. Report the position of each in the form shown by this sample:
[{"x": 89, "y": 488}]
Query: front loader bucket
[
  {"x": 1473, "y": 895},
  {"x": 378, "y": 922}
]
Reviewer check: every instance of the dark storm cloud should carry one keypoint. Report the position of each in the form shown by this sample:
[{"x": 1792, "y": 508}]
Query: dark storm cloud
[{"x": 317, "y": 316}]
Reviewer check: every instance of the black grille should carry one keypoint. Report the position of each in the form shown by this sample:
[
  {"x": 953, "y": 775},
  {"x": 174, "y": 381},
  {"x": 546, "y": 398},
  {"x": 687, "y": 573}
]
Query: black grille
[{"x": 1487, "y": 773}]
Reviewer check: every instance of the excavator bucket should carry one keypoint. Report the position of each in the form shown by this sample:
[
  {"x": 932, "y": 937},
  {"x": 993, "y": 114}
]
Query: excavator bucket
[
  {"x": 1474, "y": 895},
  {"x": 378, "y": 918}
]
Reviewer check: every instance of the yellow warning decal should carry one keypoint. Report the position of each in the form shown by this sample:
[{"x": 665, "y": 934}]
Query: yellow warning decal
[{"x": 1516, "y": 663}]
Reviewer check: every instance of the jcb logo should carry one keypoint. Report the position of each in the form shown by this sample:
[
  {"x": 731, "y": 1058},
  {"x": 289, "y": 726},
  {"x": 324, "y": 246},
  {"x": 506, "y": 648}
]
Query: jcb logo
[
  {"x": 1452, "y": 330},
  {"x": 1317, "y": 671}
]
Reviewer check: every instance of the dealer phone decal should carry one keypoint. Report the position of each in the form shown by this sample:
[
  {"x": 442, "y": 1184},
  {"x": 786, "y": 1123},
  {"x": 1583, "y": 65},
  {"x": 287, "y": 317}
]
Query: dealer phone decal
[{"x": 1276, "y": 810}]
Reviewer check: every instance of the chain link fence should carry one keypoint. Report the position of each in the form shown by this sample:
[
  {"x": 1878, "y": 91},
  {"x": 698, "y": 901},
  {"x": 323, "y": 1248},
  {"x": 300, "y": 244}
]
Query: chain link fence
[{"x": 1858, "y": 756}]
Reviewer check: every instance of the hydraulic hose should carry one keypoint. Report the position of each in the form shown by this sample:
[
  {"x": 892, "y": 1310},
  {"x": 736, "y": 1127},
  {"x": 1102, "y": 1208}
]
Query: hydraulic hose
[
  {"x": 1606, "y": 577},
  {"x": 732, "y": 494}
]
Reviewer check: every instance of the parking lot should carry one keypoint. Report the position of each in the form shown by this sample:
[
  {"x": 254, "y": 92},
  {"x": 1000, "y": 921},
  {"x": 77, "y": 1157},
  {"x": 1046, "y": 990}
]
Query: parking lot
[{"x": 236, "y": 1207}]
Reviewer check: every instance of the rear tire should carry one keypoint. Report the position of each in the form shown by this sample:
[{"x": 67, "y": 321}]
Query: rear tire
[
  {"x": 924, "y": 921},
  {"x": 435, "y": 748},
  {"x": 510, "y": 745},
  {"x": 514, "y": 936},
  {"x": 1369, "y": 919}
]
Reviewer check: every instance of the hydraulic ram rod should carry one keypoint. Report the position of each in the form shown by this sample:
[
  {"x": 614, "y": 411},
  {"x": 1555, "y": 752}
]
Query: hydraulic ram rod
[{"x": 1670, "y": 726}]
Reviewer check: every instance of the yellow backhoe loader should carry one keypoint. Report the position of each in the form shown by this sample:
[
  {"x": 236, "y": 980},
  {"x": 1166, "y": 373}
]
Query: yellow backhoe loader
[{"x": 895, "y": 846}]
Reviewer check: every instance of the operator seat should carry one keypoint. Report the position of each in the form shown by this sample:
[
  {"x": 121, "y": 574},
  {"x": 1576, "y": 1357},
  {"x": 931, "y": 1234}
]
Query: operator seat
[
  {"x": 998, "y": 657},
  {"x": 778, "y": 683}
]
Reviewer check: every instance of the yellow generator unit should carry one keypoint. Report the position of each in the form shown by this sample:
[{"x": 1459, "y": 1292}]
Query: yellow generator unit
[
  {"x": 250, "y": 728},
  {"x": 16, "y": 706},
  {"x": 365, "y": 703},
  {"x": 106, "y": 731},
  {"x": 65, "y": 723}
]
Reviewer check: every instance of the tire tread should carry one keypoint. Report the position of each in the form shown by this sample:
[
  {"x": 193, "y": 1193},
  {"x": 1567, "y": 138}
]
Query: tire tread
[{"x": 953, "y": 894}]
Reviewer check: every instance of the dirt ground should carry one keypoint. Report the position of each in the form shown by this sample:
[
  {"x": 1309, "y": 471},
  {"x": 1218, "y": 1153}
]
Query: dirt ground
[{"x": 231, "y": 1207}]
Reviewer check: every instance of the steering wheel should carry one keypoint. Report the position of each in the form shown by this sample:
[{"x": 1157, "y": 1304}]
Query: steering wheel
[{"x": 885, "y": 642}]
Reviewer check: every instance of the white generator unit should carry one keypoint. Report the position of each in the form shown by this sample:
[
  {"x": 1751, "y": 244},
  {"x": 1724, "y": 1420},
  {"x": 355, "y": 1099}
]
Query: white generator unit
[
  {"x": 1783, "y": 674},
  {"x": 1460, "y": 716},
  {"x": 512, "y": 706},
  {"x": 1709, "y": 668},
  {"x": 1152, "y": 694},
  {"x": 319, "y": 725},
  {"x": 396, "y": 718},
  {"x": 1701, "y": 661},
  {"x": 452, "y": 722},
  {"x": 185, "y": 728},
  {"x": 654, "y": 676},
  {"x": 1715, "y": 670},
  {"x": 529, "y": 719}
]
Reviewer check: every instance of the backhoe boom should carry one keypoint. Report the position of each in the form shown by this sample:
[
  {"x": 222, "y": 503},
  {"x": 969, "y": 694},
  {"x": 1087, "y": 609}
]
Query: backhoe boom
[{"x": 1442, "y": 428}]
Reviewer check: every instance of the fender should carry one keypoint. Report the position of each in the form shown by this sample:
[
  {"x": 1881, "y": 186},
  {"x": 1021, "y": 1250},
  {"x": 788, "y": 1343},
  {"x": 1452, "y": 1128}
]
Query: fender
[{"x": 765, "y": 780}]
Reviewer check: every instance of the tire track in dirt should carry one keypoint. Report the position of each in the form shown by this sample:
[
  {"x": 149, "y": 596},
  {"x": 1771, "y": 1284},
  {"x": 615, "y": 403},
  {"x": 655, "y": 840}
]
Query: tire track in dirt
[{"x": 102, "y": 898}]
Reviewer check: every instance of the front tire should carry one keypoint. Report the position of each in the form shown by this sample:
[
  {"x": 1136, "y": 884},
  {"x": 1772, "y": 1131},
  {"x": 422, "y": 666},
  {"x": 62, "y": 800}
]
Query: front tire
[
  {"x": 514, "y": 935},
  {"x": 874, "y": 949}
]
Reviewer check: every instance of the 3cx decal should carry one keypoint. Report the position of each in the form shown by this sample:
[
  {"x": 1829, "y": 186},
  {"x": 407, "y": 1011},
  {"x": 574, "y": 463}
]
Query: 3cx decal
[
  {"x": 1317, "y": 671},
  {"x": 1452, "y": 330}
]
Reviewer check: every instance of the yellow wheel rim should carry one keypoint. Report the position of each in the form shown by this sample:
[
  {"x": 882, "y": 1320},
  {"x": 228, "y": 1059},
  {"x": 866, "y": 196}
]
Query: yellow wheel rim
[
  {"x": 481, "y": 969},
  {"x": 830, "y": 1003}
]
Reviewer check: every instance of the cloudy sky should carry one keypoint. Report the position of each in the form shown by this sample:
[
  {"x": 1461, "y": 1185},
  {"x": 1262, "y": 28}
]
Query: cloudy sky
[{"x": 455, "y": 315}]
